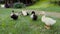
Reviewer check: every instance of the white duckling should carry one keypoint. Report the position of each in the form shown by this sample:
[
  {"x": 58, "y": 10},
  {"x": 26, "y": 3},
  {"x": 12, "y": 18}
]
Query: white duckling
[
  {"x": 48, "y": 21},
  {"x": 25, "y": 13},
  {"x": 33, "y": 16},
  {"x": 2, "y": 6},
  {"x": 14, "y": 15}
]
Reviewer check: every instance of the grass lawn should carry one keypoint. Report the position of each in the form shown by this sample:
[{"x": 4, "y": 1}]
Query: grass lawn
[
  {"x": 45, "y": 6},
  {"x": 24, "y": 25}
]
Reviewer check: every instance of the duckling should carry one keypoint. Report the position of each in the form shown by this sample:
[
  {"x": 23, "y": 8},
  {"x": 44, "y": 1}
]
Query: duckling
[
  {"x": 14, "y": 16},
  {"x": 24, "y": 13},
  {"x": 33, "y": 16},
  {"x": 48, "y": 21},
  {"x": 2, "y": 6}
]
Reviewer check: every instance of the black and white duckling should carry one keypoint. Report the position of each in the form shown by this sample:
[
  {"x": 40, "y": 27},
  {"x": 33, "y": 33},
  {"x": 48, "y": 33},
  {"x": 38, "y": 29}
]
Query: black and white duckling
[
  {"x": 14, "y": 16},
  {"x": 25, "y": 13},
  {"x": 33, "y": 16}
]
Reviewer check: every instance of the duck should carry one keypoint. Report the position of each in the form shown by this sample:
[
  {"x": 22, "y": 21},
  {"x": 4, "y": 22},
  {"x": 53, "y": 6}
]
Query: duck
[
  {"x": 47, "y": 20},
  {"x": 2, "y": 6},
  {"x": 14, "y": 16},
  {"x": 33, "y": 15},
  {"x": 25, "y": 13}
]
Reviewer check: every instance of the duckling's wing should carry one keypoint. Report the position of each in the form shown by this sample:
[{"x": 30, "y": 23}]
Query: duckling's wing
[
  {"x": 16, "y": 14},
  {"x": 24, "y": 13},
  {"x": 50, "y": 21}
]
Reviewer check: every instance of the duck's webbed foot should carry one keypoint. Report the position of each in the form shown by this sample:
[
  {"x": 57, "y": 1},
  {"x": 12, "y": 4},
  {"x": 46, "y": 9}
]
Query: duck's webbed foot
[{"x": 47, "y": 26}]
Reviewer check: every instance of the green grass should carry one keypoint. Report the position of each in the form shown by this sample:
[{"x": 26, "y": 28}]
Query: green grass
[
  {"x": 45, "y": 6},
  {"x": 24, "y": 25}
]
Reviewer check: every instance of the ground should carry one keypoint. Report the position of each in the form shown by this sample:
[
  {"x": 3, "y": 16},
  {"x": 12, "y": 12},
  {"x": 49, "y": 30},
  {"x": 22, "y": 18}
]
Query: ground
[{"x": 25, "y": 25}]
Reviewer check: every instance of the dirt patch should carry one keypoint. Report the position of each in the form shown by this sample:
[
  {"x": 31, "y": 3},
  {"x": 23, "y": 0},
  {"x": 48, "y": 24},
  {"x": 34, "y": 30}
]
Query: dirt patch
[{"x": 53, "y": 14}]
